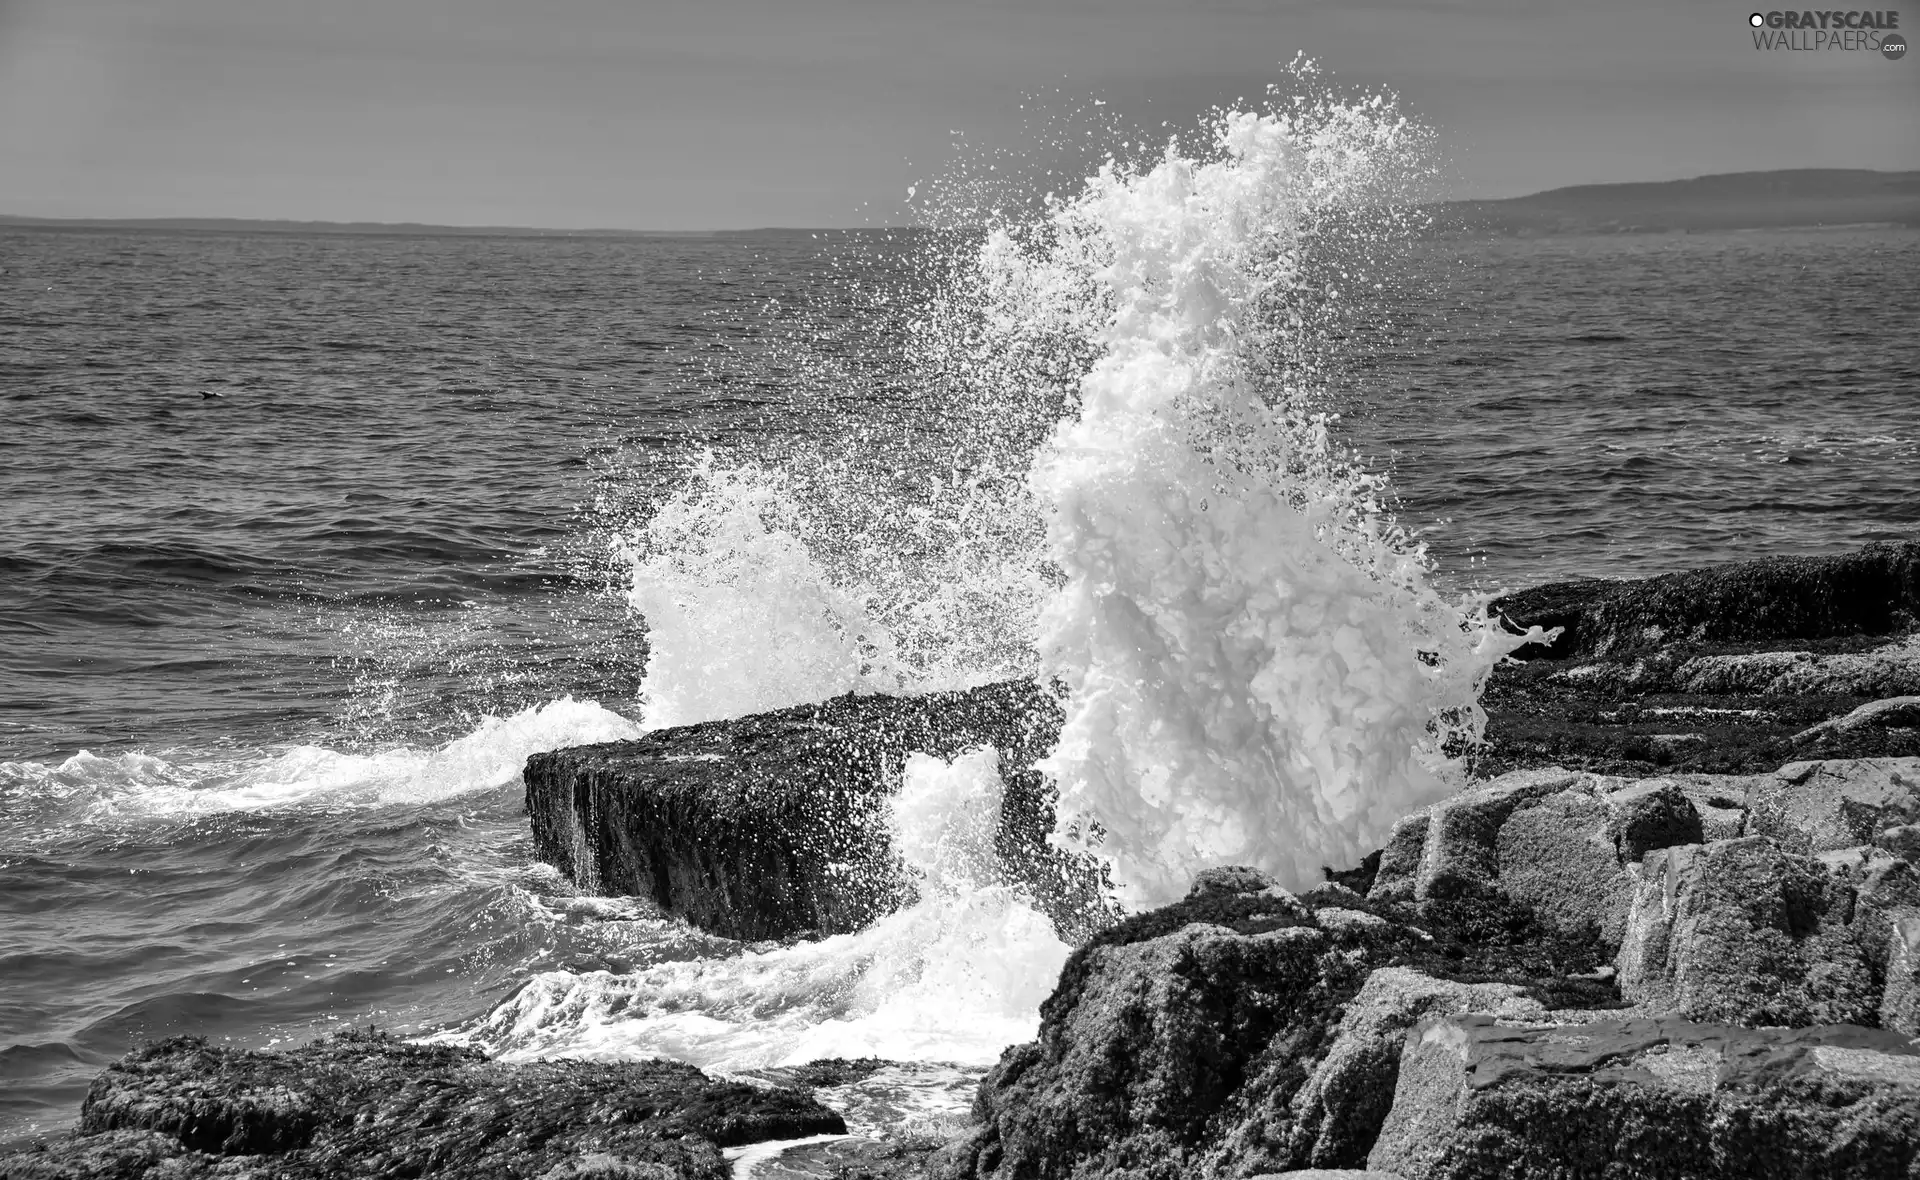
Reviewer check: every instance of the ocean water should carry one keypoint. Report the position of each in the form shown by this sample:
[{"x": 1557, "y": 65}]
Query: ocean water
[{"x": 270, "y": 660}]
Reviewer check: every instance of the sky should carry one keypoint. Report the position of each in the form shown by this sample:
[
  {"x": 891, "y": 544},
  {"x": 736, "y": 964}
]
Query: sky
[{"x": 712, "y": 114}]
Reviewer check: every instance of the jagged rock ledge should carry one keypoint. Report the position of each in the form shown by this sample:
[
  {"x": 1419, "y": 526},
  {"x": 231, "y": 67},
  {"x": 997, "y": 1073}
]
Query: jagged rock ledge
[
  {"x": 362, "y": 1105},
  {"x": 1556, "y": 974}
]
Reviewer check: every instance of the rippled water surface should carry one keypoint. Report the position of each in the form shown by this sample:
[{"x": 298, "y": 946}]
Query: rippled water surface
[{"x": 306, "y": 629}]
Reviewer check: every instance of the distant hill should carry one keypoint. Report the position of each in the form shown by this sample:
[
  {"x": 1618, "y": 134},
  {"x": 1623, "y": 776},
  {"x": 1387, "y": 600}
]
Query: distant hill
[{"x": 1734, "y": 200}]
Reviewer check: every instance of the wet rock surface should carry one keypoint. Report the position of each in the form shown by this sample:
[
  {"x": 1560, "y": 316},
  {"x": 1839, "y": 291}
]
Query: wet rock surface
[{"x": 365, "y": 1105}]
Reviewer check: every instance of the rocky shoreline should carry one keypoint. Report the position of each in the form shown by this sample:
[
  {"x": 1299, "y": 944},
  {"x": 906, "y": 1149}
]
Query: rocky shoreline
[{"x": 1675, "y": 932}]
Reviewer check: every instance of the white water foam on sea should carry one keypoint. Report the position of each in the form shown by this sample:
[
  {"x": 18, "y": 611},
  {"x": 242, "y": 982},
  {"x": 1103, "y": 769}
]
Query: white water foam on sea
[
  {"x": 956, "y": 977},
  {"x": 92, "y": 788}
]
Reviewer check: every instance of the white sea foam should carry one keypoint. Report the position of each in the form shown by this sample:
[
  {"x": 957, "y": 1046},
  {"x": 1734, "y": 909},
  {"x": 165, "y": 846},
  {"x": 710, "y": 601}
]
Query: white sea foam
[
  {"x": 140, "y": 784},
  {"x": 956, "y": 977}
]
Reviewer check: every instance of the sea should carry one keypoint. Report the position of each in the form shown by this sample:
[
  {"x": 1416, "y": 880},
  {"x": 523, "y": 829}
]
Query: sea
[{"x": 307, "y": 540}]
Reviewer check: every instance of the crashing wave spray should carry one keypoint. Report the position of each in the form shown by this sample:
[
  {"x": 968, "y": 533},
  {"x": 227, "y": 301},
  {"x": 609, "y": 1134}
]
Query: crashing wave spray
[
  {"x": 955, "y": 977},
  {"x": 764, "y": 586},
  {"x": 1131, "y": 490},
  {"x": 1256, "y": 670}
]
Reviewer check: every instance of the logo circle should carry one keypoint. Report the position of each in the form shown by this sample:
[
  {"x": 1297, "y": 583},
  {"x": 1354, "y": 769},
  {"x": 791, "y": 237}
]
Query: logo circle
[
  {"x": 1893, "y": 47},
  {"x": 1756, "y": 20}
]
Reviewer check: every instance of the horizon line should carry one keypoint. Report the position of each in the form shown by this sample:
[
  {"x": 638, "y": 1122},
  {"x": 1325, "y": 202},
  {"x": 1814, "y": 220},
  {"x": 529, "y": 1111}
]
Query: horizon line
[{"x": 218, "y": 223}]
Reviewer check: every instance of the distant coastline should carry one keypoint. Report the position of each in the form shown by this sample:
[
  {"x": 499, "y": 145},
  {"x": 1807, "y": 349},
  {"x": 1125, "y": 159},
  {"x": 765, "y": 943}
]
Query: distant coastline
[
  {"x": 1797, "y": 198},
  {"x": 1787, "y": 199}
]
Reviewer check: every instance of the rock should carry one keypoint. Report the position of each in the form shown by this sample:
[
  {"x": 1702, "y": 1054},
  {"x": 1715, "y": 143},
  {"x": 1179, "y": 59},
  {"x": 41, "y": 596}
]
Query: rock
[
  {"x": 1885, "y": 671},
  {"x": 1687, "y": 673},
  {"x": 1886, "y": 912},
  {"x": 1873, "y": 592},
  {"x": 1230, "y": 879},
  {"x": 1461, "y": 853},
  {"x": 1553, "y": 840},
  {"x": 1329, "y": 1174},
  {"x": 1651, "y": 815},
  {"x": 1744, "y": 932},
  {"x": 773, "y": 825},
  {"x": 1816, "y": 806},
  {"x": 1339, "y": 1111},
  {"x": 1720, "y": 823},
  {"x": 1903, "y": 841},
  {"x": 115, "y": 1155},
  {"x": 1659, "y": 1098},
  {"x": 1749, "y": 673},
  {"x": 1900, "y": 1003},
  {"x": 1904, "y": 711},
  {"x": 366, "y": 1105},
  {"x": 855, "y": 1159},
  {"x": 1559, "y": 855},
  {"x": 1140, "y": 1045},
  {"x": 1399, "y": 867},
  {"x": 1890, "y": 670}
]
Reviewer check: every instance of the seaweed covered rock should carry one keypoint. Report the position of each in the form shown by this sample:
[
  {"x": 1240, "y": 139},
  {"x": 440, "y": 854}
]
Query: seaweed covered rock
[
  {"x": 1729, "y": 670},
  {"x": 365, "y": 1105},
  {"x": 1618, "y": 1100}
]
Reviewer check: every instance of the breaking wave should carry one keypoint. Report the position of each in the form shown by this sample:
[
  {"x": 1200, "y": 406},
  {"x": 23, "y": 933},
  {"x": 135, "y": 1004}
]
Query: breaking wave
[
  {"x": 1131, "y": 491},
  {"x": 89, "y": 788}
]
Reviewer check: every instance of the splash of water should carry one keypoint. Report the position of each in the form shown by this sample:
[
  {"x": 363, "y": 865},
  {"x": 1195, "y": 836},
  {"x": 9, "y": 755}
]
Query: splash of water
[
  {"x": 955, "y": 977},
  {"x": 741, "y": 616},
  {"x": 1256, "y": 669},
  {"x": 765, "y": 585}
]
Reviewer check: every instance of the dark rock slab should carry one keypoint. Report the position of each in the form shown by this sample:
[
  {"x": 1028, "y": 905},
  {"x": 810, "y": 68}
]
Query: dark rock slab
[
  {"x": 1873, "y": 592},
  {"x": 1729, "y": 670},
  {"x": 365, "y": 1105},
  {"x": 1614, "y": 1100},
  {"x": 774, "y": 825}
]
